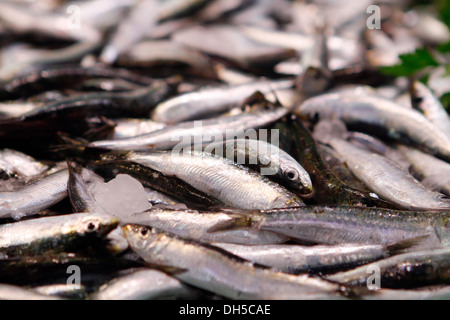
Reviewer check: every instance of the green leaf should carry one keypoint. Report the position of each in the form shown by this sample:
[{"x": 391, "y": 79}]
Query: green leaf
[
  {"x": 443, "y": 7},
  {"x": 411, "y": 63}
]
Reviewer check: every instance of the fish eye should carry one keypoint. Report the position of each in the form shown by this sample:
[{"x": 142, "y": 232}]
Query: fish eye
[
  {"x": 144, "y": 232},
  {"x": 92, "y": 225},
  {"x": 291, "y": 175}
]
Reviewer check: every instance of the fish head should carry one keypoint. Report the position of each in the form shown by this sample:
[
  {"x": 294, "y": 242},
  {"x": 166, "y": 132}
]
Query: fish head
[
  {"x": 140, "y": 237},
  {"x": 297, "y": 179},
  {"x": 92, "y": 224}
]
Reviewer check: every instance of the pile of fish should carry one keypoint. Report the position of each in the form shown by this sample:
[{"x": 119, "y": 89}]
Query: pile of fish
[{"x": 221, "y": 149}]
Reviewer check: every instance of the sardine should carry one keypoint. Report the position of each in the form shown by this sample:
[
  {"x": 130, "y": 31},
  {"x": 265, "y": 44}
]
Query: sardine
[
  {"x": 197, "y": 132},
  {"x": 210, "y": 269},
  {"x": 372, "y": 112},
  {"x": 302, "y": 259},
  {"x": 423, "y": 99},
  {"x": 199, "y": 104},
  {"x": 385, "y": 177},
  {"x": 34, "y": 197},
  {"x": 339, "y": 225},
  {"x": 230, "y": 183},
  {"x": 144, "y": 284},
  {"x": 418, "y": 268},
  {"x": 268, "y": 158},
  {"x": 54, "y": 234}
]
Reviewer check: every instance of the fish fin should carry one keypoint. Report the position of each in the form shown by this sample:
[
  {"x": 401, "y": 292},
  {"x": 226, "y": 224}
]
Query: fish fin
[
  {"x": 237, "y": 222},
  {"x": 403, "y": 245}
]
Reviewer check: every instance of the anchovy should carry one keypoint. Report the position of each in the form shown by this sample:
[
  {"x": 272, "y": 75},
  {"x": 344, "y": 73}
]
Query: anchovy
[
  {"x": 144, "y": 284},
  {"x": 199, "y": 104},
  {"x": 64, "y": 291},
  {"x": 230, "y": 183},
  {"x": 17, "y": 164},
  {"x": 211, "y": 269},
  {"x": 388, "y": 180},
  {"x": 418, "y": 268},
  {"x": 302, "y": 259},
  {"x": 423, "y": 99},
  {"x": 432, "y": 172},
  {"x": 268, "y": 158},
  {"x": 54, "y": 234},
  {"x": 195, "y": 132},
  {"x": 328, "y": 188},
  {"x": 339, "y": 225},
  {"x": 34, "y": 197},
  {"x": 372, "y": 112},
  {"x": 39, "y": 80}
]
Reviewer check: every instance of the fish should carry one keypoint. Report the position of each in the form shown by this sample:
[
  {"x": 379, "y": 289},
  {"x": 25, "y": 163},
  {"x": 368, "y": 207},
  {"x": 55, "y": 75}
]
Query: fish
[
  {"x": 268, "y": 158},
  {"x": 424, "y": 100},
  {"x": 224, "y": 275},
  {"x": 431, "y": 172},
  {"x": 34, "y": 197},
  {"x": 422, "y": 268},
  {"x": 37, "y": 80},
  {"x": 297, "y": 259},
  {"x": 373, "y": 113},
  {"x": 383, "y": 176},
  {"x": 334, "y": 225},
  {"x": 197, "y": 132},
  {"x": 206, "y": 101},
  {"x": 54, "y": 234},
  {"x": 228, "y": 182},
  {"x": 12, "y": 292},
  {"x": 328, "y": 188},
  {"x": 144, "y": 284}
]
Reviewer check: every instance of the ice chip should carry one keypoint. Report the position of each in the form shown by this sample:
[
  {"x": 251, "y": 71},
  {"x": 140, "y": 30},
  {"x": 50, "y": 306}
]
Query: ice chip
[{"x": 121, "y": 197}]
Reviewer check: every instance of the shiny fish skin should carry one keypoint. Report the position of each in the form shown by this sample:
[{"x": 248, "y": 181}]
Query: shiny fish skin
[
  {"x": 389, "y": 180},
  {"x": 423, "y": 99},
  {"x": 198, "y": 104},
  {"x": 128, "y": 128},
  {"x": 54, "y": 234},
  {"x": 270, "y": 159},
  {"x": 10, "y": 292},
  {"x": 421, "y": 268},
  {"x": 210, "y": 269},
  {"x": 196, "y": 225},
  {"x": 339, "y": 225},
  {"x": 34, "y": 197},
  {"x": 375, "y": 112},
  {"x": 37, "y": 80},
  {"x": 145, "y": 284},
  {"x": 223, "y": 179},
  {"x": 15, "y": 163},
  {"x": 432, "y": 172},
  {"x": 301, "y": 259},
  {"x": 193, "y": 131},
  {"x": 328, "y": 188}
]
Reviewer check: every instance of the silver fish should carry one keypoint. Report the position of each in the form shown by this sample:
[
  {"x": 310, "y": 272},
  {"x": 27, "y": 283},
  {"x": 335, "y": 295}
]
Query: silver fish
[
  {"x": 423, "y": 99},
  {"x": 186, "y": 133},
  {"x": 34, "y": 197},
  {"x": 372, "y": 111},
  {"x": 273, "y": 160},
  {"x": 56, "y": 234},
  {"x": 198, "y": 104},
  {"x": 432, "y": 172},
  {"x": 304, "y": 259},
  {"x": 221, "y": 178},
  {"x": 212, "y": 270},
  {"x": 145, "y": 284}
]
